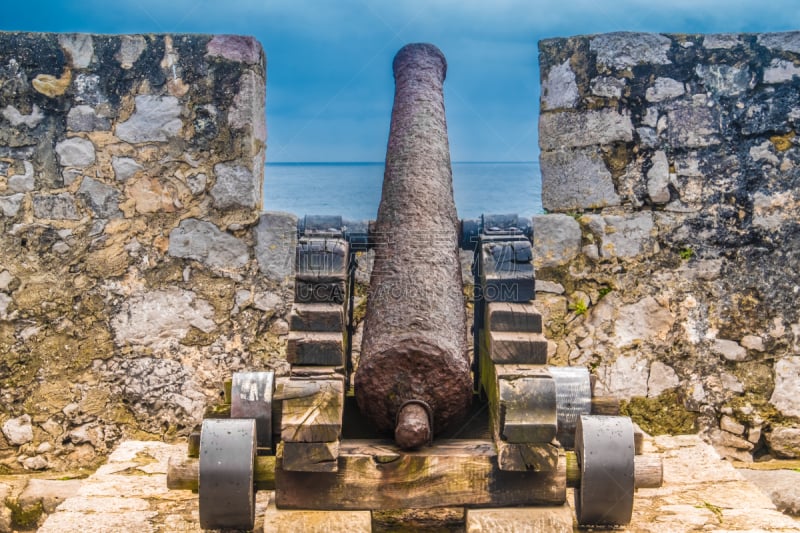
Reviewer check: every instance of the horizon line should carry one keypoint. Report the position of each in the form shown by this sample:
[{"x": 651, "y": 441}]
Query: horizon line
[{"x": 383, "y": 162}]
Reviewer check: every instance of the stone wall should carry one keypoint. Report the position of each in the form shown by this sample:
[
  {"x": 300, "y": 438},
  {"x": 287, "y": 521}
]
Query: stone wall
[
  {"x": 136, "y": 270},
  {"x": 669, "y": 260}
]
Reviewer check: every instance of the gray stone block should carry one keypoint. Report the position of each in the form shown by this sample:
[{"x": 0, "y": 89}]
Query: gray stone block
[
  {"x": 75, "y": 152},
  {"x": 55, "y": 206},
  {"x": 627, "y": 49},
  {"x": 783, "y": 42},
  {"x": 576, "y": 180},
  {"x": 204, "y": 242},
  {"x": 570, "y": 129},
  {"x": 692, "y": 125},
  {"x": 235, "y": 187},
  {"x": 10, "y": 205},
  {"x": 156, "y": 118},
  {"x": 125, "y": 167},
  {"x": 556, "y": 240},
  {"x": 559, "y": 89},
  {"x": 276, "y": 240},
  {"x": 84, "y": 118},
  {"x": 102, "y": 199}
]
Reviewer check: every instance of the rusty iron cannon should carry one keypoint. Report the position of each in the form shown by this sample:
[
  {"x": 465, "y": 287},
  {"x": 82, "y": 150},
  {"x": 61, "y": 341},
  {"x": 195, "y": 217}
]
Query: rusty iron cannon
[{"x": 501, "y": 430}]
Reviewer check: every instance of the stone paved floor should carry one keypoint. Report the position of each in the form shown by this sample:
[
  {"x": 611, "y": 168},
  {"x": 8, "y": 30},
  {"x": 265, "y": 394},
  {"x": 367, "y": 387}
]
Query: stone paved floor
[{"x": 129, "y": 494}]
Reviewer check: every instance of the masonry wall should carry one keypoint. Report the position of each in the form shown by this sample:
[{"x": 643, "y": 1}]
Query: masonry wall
[
  {"x": 669, "y": 260},
  {"x": 136, "y": 271}
]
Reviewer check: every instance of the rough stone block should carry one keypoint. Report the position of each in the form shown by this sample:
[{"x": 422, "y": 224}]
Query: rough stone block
[
  {"x": 570, "y": 129},
  {"x": 276, "y": 239},
  {"x": 559, "y": 89},
  {"x": 235, "y": 187},
  {"x": 550, "y": 519},
  {"x": 576, "y": 180},
  {"x": 786, "y": 394},
  {"x": 204, "y": 242},
  {"x": 75, "y": 152},
  {"x": 556, "y": 240},
  {"x": 55, "y": 206},
  {"x": 627, "y": 49},
  {"x": 102, "y": 199},
  {"x": 155, "y": 119}
]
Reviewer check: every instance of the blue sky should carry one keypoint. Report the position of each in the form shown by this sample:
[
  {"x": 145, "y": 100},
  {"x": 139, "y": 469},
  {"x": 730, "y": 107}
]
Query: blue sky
[{"x": 330, "y": 87}]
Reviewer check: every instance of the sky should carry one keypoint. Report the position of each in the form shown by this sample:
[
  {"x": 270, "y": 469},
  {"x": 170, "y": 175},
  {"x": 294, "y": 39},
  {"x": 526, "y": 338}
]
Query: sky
[{"x": 329, "y": 75}]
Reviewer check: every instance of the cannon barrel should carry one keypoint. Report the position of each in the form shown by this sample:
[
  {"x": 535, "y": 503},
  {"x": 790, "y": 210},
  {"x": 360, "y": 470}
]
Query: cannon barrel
[{"x": 413, "y": 376}]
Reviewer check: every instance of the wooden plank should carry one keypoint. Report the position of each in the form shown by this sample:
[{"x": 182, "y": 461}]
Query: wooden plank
[
  {"x": 311, "y": 410},
  {"x": 509, "y": 316},
  {"x": 316, "y": 317},
  {"x": 516, "y": 347},
  {"x": 315, "y": 348},
  {"x": 526, "y": 457},
  {"x": 605, "y": 405},
  {"x": 440, "y": 519},
  {"x": 310, "y": 456},
  {"x": 552, "y": 519},
  {"x": 378, "y": 475}
]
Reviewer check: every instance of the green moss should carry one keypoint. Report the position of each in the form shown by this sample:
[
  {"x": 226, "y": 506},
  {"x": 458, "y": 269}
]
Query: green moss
[
  {"x": 578, "y": 307},
  {"x": 603, "y": 291},
  {"x": 662, "y": 415},
  {"x": 25, "y": 517},
  {"x": 713, "y": 508},
  {"x": 686, "y": 253}
]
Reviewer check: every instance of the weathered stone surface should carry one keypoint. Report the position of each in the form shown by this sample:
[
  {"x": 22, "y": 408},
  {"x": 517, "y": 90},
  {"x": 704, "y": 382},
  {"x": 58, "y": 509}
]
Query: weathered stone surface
[
  {"x": 10, "y": 205},
  {"x": 724, "y": 41},
  {"x": 18, "y": 430},
  {"x": 204, "y": 242},
  {"x": 235, "y": 48},
  {"x": 125, "y": 167},
  {"x": 75, "y": 152},
  {"x": 645, "y": 320},
  {"x": 50, "y": 492},
  {"x": 576, "y": 180},
  {"x": 725, "y": 80},
  {"x": 625, "y": 378},
  {"x": 556, "y": 240},
  {"x": 570, "y": 129},
  {"x": 235, "y": 187},
  {"x": 780, "y": 485},
  {"x": 622, "y": 236},
  {"x": 248, "y": 106},
  {"x": 784, "y": 42},
  {"x": 786, "y": 395},
  {"x": 23, "y": 182},
  {"x": 780, "y": 71},
  {"x": 662, "y": 378},
  {"x": 784, "y": 442},
  {"x": 79, "y": 46},
  {"x": 730, "y": 350},
  {"x": 102, "y": 199},
  {"x": 772, "y": 211},
  {"x": 276, "y": 239},
  {"x": 729, "y": 424},
  {"x": 55, "y": 206},
  {"x": 156, "y": 318},
  {"x": 85, "y": 118},
  {"x": 156, "y": 118},
  {"x": 608, "y": 87},
  {"x": 692, "y": 125},
  {"x": 664, "y": 89},
  {"x": 753, "y": 342},
  {"x": 31, "y": 120},
  {"x": 658, "y": 179},
  {"x": 130, "y": 48},
  {"x": 550, "y": 519},
  {"x": 559, "y": 89},
  {"x": 625, "y": 49}
]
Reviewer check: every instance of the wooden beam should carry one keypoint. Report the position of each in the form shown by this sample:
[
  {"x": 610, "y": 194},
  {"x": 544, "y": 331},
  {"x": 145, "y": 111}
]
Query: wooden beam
[
  {"x": 315, "y": 348},
  {"x": 509, "y": 316},
  {"x": 378, "y": 475},
  {"x": 508, "y": 347},
  {"x": 183, "y": 473},
  {"x": 648, "y": 471},
  {"x": 312, "y": 409},
  {"x": 316, "y": 317},
  {"x": 310, "y": 456}
]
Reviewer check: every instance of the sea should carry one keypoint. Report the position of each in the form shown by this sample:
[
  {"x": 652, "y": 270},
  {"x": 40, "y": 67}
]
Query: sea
[{"x": 353, "y": 190}]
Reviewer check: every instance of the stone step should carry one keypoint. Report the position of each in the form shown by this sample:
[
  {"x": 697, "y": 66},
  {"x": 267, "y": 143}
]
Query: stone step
[
  {"x": 316, "y": 317},
  {"x": 509, "y": 316},
  {"x": 315, "y": 348},
  {"x": 516, "y": 347}
]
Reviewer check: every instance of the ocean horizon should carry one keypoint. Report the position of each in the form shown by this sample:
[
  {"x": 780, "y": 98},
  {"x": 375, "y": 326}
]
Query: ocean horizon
[{"x": 353, "y": 189}]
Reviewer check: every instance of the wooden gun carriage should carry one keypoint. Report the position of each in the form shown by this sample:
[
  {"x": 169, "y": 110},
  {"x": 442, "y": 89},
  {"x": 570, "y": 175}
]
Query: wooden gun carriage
[{"x": 498, "y": 429}]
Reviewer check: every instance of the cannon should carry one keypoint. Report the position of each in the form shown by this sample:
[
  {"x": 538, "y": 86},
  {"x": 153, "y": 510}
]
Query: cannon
[{"x": 414, "y": 423}]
